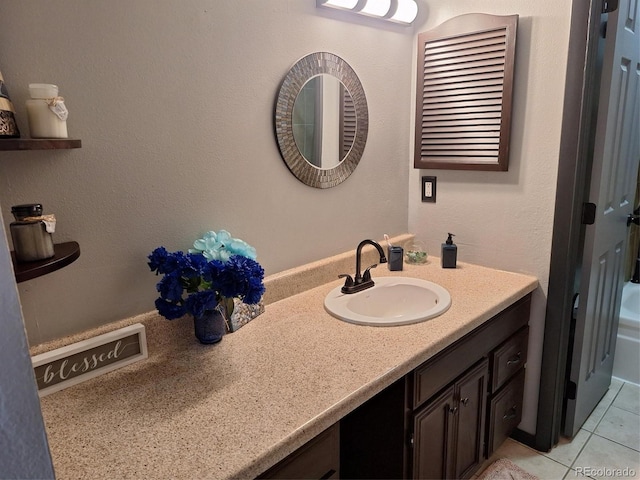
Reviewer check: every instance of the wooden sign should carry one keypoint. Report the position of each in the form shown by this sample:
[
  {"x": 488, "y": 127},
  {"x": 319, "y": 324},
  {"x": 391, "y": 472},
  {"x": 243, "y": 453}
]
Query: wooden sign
[{"x": 75, "y": 363}]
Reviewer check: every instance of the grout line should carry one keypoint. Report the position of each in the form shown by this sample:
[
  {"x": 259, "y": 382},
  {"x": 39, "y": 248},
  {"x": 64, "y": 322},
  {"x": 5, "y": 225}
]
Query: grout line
[
  {"x": 566, "y": 476},
  {"x": 616, "y": 397},
  {"x": 617, "y": 443},
  {"x": 583, "y": 447},
  {"x": 575, "y": 475}
]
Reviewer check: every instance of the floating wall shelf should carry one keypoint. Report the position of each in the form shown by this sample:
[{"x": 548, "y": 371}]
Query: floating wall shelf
[
  {"x": 39, "y": 143},
  {"x": 65, "y": 253}
]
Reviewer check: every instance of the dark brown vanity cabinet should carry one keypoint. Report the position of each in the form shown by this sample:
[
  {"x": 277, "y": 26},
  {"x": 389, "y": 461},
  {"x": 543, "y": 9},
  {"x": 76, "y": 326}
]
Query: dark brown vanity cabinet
[
  {"x": 442, "y": 420},
  {"x": 448, "y": 432},
  {"x": 317, "y": 459},
  {"x": 507, "y": 388},
  {"x": 468, "y": 398}
]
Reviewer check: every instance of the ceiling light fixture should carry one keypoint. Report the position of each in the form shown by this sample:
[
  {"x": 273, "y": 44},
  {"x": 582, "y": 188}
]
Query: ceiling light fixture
[
  {"x": 376, "y": 8},
  {"x": 398, "y": 11},
  {"x": 340, "y": 4},
  {"x": 406, "y": 11}
]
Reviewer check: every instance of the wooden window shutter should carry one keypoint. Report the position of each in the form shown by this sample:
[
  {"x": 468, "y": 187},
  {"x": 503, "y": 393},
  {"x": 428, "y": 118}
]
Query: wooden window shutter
[{"x": 464, "y": 93}]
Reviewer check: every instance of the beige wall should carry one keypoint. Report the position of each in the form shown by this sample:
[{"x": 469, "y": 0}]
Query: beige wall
[
  {"x": 174, "y": 104},
  {"x": 505, "y": 219}
]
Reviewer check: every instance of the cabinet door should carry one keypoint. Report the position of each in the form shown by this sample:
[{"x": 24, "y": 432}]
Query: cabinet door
[
  {"x": 433, "y": 437},
  {"x": 471, "y": 394},
  {"x": 449, "y": 430}
]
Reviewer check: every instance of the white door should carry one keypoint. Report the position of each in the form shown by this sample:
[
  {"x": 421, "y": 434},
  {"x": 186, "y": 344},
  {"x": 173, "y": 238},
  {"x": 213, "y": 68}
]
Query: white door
[{"x": 614, "y": 174}]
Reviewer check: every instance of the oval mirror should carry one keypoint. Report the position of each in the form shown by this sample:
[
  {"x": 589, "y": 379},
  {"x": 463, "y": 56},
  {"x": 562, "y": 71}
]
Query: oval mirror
[{"x": 321, "y": 120}]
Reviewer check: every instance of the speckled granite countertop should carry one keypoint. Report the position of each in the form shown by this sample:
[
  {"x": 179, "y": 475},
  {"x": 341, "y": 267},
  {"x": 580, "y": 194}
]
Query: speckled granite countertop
[{"x": 234, "y": 409}]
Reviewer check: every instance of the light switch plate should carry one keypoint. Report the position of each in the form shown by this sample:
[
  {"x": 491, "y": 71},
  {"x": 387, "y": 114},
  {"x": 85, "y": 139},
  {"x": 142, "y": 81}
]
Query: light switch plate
[{"x": 429, "y": 189}]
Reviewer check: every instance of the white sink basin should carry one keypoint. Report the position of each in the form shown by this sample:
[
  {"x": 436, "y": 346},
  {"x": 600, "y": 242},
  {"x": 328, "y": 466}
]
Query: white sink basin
[{"x": 391, "y": 301}]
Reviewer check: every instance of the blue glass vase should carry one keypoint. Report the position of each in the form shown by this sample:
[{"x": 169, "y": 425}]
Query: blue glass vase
[{"x": 209, "y": 327}]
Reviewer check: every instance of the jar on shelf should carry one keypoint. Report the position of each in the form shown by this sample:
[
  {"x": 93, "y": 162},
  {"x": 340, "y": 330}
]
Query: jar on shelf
[
  {"x": 31, "y": 233},
  {"x": 46, "y": 112}
]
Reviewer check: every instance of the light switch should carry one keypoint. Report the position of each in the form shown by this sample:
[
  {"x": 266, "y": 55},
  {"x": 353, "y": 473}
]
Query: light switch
[{"x": 429, "y": 189}]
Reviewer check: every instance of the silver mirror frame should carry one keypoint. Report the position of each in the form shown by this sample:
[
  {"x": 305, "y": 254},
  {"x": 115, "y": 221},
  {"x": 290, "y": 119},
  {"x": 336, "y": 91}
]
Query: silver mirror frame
[{"x": 307, "y": 67}]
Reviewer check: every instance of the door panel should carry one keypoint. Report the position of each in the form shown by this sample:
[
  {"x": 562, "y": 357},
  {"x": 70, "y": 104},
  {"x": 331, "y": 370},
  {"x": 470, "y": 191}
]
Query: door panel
[
  {"x": 433, "y": 431},
  {"x": 615, "y": 166},
  {"x": 472, "y": 394}
]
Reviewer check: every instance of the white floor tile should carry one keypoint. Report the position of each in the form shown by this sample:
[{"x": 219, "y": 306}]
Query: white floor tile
[
  {"x": 601, "y": 408},
  {"x": 621, "y": 427},
  {"x": 590, "y": 455},
  {"x": 628, "y": 398},
  {"x": 530, "y": 460},
  {"x": 568, "y": 450},
  {"x": 574, "y": 474},
  {"x": 616, "y": 384},
  {"x": 603, "y": 459}
]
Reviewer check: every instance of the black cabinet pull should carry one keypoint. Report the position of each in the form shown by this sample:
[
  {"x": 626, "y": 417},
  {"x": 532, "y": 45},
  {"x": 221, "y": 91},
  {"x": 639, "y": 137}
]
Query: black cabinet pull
[
  {"x": 511, "y": 413},
  {"x": 464, "y": 401},
  {"x": 329, "y": 474},
  {"x": 515, "y": 359}
]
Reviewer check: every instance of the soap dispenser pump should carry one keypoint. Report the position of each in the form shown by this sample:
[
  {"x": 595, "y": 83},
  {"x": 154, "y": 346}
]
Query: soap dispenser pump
[{"x": 449, "y": 253}]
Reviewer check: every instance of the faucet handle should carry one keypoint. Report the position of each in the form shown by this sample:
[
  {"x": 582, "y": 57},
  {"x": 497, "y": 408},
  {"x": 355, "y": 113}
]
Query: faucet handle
[
  {"x": 366, "y": 277},
  {"x": 348, "y": 279}
]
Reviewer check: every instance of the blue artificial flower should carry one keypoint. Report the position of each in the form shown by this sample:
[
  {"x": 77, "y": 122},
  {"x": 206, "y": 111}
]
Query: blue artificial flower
[
  {"x": 208, "y": 245},
  {"x": 242, "y": 277},
  {"x": 170, "y": 287},
  {"x": 193, "y": 265},
  {"x": 157, "y": 259},
  {"x": 170, "y": 310},
  {"x": 221, "y": 246},
  {"x": 200, "y": 302},
  {"x": 161, "y": 261},
  {"x": 211, "y": 273}
]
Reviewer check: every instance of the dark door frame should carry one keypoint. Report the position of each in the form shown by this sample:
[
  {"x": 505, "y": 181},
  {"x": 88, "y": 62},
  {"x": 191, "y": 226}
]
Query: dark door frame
[{"x": 576, "y": 145}]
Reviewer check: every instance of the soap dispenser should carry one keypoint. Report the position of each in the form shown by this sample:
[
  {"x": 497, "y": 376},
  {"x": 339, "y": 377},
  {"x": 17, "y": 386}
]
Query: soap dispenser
[{"x": 449, "y": 253}]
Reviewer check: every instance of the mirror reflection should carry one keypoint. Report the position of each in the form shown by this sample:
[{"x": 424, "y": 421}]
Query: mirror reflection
[
  {"x": 321, "y": 120},
  {"x": 324, "y": 122}
]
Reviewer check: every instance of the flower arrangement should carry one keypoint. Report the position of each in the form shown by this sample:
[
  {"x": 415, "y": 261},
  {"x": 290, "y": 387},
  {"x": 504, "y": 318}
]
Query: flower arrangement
[{"x": 218, "y": 269}]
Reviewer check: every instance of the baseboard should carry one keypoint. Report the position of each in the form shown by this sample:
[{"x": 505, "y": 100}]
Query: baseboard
[{"x": 524, "y": 437}]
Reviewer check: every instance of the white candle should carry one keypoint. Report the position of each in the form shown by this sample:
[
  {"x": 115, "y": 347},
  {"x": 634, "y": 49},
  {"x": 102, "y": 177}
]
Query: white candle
[{"x": 43, "y": 121}]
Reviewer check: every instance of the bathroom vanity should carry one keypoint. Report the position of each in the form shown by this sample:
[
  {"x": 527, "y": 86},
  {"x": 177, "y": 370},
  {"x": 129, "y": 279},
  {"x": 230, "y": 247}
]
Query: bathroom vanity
[
  {"x": 297, "y": 388},
  {"x": 442, "y": 420}
]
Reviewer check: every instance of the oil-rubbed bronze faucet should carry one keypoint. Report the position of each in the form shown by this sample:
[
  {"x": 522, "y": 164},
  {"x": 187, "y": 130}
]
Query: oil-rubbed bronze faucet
[{"x": 362, "y": 282}]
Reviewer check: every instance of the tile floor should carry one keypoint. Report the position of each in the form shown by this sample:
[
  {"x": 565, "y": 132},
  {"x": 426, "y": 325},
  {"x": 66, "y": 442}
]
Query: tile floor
[{"x": 607, "y": 446}]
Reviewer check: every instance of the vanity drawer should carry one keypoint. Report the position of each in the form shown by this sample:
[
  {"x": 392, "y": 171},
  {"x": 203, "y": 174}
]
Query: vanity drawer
[
  {"x": 442, "y": 369},
  {"x": 509, "y": 358},
  {"x": 505, "y": 412},
  {"x": 317, "y": 459}
]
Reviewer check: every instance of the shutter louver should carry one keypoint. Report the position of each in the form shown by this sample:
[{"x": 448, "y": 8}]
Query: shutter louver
[
  {"x": 465, "y": 74},
  {"x": 348, "y": 123}
]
